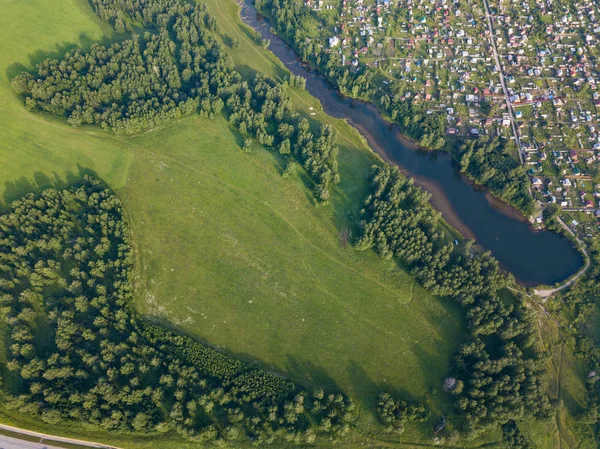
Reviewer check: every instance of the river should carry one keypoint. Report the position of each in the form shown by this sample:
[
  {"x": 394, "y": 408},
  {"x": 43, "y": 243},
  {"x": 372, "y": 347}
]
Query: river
[{"x": 534, "y": 257}]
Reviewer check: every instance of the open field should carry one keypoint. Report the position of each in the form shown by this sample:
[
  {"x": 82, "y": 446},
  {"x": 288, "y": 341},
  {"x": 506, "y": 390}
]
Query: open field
[
  {"x": 565, "y": 377},
  {"x": 227, "y": 249},
  {"x": 249, "y": 264}
]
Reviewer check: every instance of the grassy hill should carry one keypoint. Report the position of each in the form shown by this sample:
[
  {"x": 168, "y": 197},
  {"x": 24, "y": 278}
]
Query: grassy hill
[{"x": 227, "y": 249}]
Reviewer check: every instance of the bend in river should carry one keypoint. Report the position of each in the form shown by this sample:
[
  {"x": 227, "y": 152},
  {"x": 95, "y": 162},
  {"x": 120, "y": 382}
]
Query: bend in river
[{"x": 534, "y": 257}]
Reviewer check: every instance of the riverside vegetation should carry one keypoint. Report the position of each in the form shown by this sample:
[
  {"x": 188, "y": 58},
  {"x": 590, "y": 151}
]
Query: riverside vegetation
[
  {"x": 496, "y": 376},
  {"x": 487, "y": 163}
]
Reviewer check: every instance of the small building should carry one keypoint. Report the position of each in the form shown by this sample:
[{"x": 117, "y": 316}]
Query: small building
[{"x": 536, "y": 182}]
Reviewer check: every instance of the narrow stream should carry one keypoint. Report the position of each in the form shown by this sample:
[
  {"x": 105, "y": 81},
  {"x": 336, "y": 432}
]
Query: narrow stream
[{"x": 534, "y": 257}]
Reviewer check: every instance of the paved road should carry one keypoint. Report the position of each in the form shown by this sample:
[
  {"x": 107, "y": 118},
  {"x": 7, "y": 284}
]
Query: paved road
[
  {"x": 14, "y": 443},
  {"x": 55, "y": 440}
]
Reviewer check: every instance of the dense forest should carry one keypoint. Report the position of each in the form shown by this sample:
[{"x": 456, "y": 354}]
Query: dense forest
[
  {"x": 488, "y": 164},
  {"x": 496, "y": 375},
  {"x": 174, "y": 69},
  {"x": 78, "y": 351}
]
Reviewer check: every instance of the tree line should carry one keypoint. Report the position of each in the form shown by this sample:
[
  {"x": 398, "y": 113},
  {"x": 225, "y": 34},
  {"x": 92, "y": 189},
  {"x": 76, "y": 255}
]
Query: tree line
[
  {"x": 78, "y": 351},
  {"x": 174, "y": 68},
  {"x": 262, "y": 110},
  {"x": 577, "y": 311},
  {"x": 488, "y": 163},
  {"x": 497, "y": 372}
]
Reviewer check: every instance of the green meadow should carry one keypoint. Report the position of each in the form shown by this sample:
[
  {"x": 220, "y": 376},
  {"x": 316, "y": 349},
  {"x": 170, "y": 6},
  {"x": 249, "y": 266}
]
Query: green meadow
[{"x": 227, "y": 249}]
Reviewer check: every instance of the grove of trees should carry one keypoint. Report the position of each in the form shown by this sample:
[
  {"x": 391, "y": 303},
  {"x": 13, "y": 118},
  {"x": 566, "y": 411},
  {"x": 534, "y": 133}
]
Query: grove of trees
[
  {"x": 176, "y": 67},
  {"x": 78, "y": 351},
  {"x": 499, "y": 367},
  {"x": 488, "y": 162},
  {"x": 393, "y": 414}
]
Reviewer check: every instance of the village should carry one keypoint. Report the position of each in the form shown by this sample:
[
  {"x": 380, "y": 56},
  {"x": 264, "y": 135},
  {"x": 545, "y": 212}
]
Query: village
[{"x": 524, "y": 70}]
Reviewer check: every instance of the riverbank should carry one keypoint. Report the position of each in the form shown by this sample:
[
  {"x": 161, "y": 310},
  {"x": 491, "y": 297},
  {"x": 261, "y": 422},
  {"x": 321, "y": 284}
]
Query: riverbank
[
  {"x": 546, "y": 293},
  {"x": 534, "y": 257}
]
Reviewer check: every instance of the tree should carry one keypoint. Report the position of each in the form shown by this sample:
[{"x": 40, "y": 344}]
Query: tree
[{"x": 101, "y": 363}]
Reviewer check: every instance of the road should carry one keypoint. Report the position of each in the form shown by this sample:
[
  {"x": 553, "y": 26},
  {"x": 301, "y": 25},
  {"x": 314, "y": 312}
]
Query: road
[
  {"x": 513, "y": 122},
  {"x": 14, "y": 443},
  {"x": 545, "y": 294}
]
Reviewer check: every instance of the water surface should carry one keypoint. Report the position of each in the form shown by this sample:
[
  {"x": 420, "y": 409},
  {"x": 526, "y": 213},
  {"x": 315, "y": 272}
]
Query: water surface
[{"x": 534, "y": 257}]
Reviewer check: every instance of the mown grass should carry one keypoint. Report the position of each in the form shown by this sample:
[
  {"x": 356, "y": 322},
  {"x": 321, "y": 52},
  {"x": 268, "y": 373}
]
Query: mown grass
[
  {"x": 35, "y": 151},
  {"x": 227, "y": 249}
]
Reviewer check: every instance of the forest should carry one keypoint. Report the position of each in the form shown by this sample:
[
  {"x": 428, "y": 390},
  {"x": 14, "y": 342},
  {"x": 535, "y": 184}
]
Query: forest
[
  {"x": 489, "y": 163},
  {"x": 174, "y": 68},
  {"x": 497, "y": 372},
  {"x": 67, "y": 259},
  {"x": 78, "y": 351}
]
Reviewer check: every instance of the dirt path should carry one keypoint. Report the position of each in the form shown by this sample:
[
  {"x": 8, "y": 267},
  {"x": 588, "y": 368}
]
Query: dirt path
[{"x": 545, "y": 294}]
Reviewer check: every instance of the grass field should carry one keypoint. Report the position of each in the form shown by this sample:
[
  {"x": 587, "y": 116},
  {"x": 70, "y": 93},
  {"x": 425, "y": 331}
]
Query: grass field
[
  {"x": 248, "y": 263},
  {"x": 227, "y": 249},
  {"x": 565, "y": 378}
]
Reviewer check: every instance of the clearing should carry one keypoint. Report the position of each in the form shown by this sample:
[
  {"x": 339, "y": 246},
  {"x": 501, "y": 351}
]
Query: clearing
[{"x": 227, "y": 249}]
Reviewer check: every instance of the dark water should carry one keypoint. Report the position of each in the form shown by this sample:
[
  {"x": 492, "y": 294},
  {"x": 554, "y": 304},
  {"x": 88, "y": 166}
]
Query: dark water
[{"x": 534, "y": 257}]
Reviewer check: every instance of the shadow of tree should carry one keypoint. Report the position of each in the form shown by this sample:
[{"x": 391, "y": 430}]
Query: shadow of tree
[
  {"x": 41, "y": 181},
  {"x": 227, "y": 39},
  {"x": 364, "y": 386},
  {"x": 60, "y": 50},
  {"x": 311, "y": 374}
]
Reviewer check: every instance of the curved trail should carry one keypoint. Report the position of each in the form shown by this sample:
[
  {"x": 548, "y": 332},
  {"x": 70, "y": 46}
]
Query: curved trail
[{"x": 545, "y": 294}]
